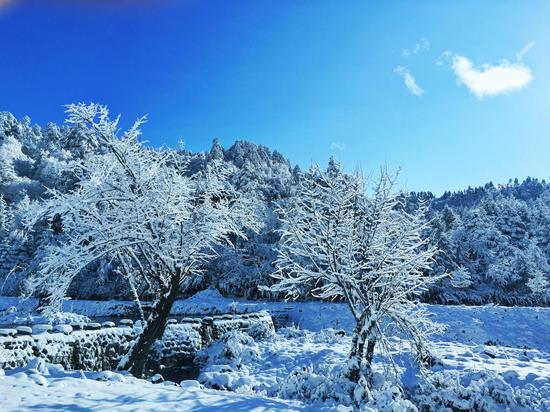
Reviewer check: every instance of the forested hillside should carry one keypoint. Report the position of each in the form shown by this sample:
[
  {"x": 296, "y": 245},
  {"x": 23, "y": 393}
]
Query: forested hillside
[{"x": 494, "y": 240}]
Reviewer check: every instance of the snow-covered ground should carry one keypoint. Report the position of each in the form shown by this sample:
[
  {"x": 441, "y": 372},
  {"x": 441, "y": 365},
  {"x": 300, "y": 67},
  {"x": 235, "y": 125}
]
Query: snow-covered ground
[
  {"x": 45, "y": 387},
  {"x": 492, "y": 358},
  {"x": 520, "y": 327},
  {"x": 264, "y": 367}
]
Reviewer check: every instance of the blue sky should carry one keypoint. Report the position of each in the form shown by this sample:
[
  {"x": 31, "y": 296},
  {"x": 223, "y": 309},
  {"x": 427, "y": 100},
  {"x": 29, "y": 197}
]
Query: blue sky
[{"x": 442, "y": 89}]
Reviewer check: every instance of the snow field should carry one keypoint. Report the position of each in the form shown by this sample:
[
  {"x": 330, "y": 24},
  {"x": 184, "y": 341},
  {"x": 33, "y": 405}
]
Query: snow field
[
  {"x": 490, "y": 359},
  {"x": 45, "y": 387}
]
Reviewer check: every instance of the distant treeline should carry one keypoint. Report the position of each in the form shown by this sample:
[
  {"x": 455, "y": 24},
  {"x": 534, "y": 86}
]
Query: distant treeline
[{"x": 494, "y": 240}]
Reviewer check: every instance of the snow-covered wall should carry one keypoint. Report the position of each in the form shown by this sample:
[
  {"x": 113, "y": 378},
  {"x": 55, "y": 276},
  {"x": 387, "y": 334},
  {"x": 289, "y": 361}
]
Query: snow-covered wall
[{"x": 100, "y": 347}]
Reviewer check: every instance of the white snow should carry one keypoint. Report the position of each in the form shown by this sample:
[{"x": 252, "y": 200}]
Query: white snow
[
  {"x": 268, "y": 363},
  {"x": 481, "y": 348},
  {"x": 490, "y": 357},
  {"x": 209, "y": 301},
  {"x": 44, "y": 387}
]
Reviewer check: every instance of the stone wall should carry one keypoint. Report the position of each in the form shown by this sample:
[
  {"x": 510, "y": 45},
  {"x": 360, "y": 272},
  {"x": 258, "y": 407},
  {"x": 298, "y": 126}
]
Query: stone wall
[{"x": 100, "y": 347}]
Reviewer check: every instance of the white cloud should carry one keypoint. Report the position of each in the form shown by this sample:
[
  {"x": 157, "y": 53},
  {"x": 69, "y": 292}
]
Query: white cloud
[
  {"x": 526, "y": 49},
  {"x": 491, "y": 80},
  {"x": 338, "y": 146},
  {"x": 409, "y": 80},
  {"x": 422, "y": 45}
]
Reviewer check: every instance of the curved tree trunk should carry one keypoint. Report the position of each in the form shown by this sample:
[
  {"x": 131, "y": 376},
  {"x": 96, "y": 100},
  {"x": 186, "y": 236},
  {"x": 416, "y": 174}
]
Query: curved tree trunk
[{"x": 154, "y": 329}]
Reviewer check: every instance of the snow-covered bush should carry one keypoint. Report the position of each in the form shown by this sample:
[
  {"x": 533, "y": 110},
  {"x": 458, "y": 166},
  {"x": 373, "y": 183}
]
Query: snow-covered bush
[
  {"x": 482, "y": 391},
  {"x": 292, "y": 332},
  {"x": 389, "y": 400},
  {"x": 307, "y": 385},
  {"x": 234, "y": 346},
  {"x": 259, "y": 331},
  {"x": 331, "y": 386},
  {"x": 226, "y": 362},
  {"x": 329, "y": 336}
]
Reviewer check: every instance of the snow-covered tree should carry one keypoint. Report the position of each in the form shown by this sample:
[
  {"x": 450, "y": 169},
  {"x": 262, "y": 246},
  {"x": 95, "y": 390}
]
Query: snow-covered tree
[
  {"x": 4, "y": 217},
  {"x": 134, "y": 206},
  {"x": 539, "y": 285},
  {"x": 498, "y": 234},
  {"x": 460, "y": 278},
  {"x": 5, "y": 223},
  {"x": 364, "y": 249}
]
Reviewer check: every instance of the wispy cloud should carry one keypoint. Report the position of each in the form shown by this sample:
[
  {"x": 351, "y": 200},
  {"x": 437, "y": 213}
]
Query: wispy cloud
[
  {"x": 525, "y": 50},
  {"x": 422, "y": 45},
  {"x": 444, "y": 58},
  {"x": 490, "y": 80},
  {"x": 337, "y": 146},
  {"x": 409, "y": 80}
]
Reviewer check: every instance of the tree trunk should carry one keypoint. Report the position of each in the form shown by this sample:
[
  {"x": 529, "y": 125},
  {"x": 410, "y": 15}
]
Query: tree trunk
[
  {"x": 369, "y": 356},
  {"x": 362, "y": 351},
  {"x": 355, "y": 355},
  {"x": 154, "y": 329}
]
